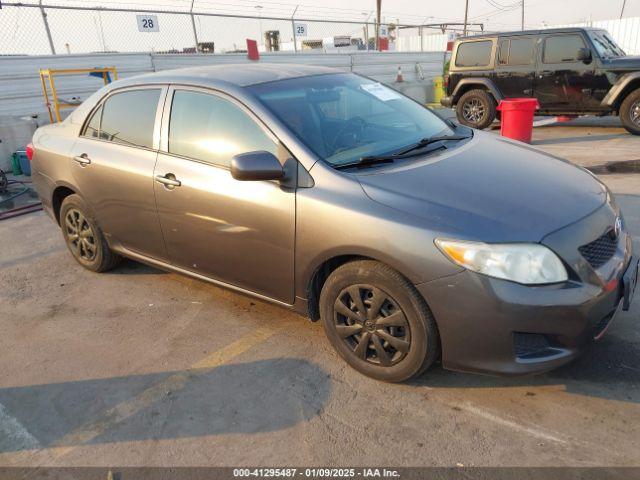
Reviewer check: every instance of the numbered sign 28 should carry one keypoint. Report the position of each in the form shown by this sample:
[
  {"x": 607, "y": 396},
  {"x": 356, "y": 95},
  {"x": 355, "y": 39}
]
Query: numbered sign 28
[
  {"x": 148, "y": 23},
  {"x": 301, "y": 29}
]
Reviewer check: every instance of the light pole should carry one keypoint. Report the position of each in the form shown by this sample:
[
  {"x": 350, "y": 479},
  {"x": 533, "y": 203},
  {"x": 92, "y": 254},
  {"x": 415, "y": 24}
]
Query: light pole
[
  {"x": 259, "y": 9},
  {"x": 466, "y": 16}
]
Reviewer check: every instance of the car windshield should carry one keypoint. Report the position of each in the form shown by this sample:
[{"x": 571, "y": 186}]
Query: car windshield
[
  {"x": 344, "y": 117},
  {"x": 605, "y": 45}
]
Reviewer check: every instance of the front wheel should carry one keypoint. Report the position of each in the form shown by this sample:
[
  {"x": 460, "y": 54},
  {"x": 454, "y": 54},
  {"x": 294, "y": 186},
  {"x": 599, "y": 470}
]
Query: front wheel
[
  {"x": 378, "y": 322},
  {"x": 476, "y": 109},
  {"x": 630, "y": 112}
]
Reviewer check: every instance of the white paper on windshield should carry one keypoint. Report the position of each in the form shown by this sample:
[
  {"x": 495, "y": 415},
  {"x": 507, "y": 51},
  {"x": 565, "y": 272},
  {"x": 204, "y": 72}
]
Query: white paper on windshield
[{"x": 380, "y": 91}]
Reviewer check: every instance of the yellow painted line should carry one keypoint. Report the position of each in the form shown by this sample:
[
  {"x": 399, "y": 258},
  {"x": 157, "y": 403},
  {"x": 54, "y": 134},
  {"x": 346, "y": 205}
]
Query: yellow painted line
[
  {"x": 234, "y": 349},
  {"x": 126, "y": 409}
]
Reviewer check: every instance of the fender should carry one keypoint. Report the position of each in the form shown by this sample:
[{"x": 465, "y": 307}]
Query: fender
[
  {"x": 615, "y": 93},
  {"x": 485, "y": 82}
]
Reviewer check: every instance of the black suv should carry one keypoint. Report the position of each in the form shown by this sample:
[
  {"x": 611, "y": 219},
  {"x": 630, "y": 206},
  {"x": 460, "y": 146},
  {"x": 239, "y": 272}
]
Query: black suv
[{"x": 571, "y": 71}]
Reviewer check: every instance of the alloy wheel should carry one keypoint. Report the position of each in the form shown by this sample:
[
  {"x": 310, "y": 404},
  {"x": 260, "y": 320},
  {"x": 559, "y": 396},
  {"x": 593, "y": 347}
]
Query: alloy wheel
[
  {"x": 473, "y": 110},
  {"x": 635, "y": 113},
  {"x": 80, "y": 235},
  {"x": 372, "y": 325}
]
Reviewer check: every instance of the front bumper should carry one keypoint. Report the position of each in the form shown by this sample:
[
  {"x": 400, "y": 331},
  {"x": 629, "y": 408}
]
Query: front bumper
[{"x": 493, "y": 326}]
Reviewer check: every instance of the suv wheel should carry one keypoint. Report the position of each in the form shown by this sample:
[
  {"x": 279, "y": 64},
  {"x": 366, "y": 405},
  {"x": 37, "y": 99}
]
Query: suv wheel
[
  {"x": 476, "y": 109},
  {"x": 378, "y": 322},
  {"x": 84, "y": 238},
  {"x": 630, "y": 112}
]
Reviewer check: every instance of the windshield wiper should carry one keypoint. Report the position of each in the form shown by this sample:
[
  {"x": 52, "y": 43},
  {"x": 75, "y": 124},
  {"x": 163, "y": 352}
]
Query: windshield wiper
[
  {"x": 428, "y": 141},
  {"x": 408, "y": 152}
]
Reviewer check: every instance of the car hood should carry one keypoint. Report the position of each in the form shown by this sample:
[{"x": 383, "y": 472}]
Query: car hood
[
  {"x": 623, "y": 63},
  {"x": 489, "y": 189}
]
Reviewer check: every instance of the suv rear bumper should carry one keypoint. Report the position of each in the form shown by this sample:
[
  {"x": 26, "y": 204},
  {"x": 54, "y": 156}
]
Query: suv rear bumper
[{"x": 446, "y": 102}]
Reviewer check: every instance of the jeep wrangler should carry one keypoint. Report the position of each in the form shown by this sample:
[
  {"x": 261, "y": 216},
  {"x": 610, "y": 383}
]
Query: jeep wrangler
[{"x": 571, "y": 71}]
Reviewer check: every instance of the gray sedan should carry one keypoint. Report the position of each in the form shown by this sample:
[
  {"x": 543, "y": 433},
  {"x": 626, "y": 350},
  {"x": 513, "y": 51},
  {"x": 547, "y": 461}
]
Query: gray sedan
[{"x": 410, "y": 237}]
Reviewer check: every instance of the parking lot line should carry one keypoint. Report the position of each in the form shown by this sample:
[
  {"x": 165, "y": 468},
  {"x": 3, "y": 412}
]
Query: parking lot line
[{"x": 126, "y": 409}]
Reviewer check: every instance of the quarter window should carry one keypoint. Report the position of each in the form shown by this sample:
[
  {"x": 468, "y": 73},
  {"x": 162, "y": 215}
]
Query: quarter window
[
  {"x": 212, "y": 129},
  {"x": 128, "y": 118},
  {"x": 93, "y": 127},
  {"x": 562, "y": 48},
  {"x": 474, "y": 54}
]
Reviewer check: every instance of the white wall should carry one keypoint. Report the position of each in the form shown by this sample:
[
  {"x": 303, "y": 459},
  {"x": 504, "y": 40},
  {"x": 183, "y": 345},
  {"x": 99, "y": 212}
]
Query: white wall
[{"x": 21, "y": 91}]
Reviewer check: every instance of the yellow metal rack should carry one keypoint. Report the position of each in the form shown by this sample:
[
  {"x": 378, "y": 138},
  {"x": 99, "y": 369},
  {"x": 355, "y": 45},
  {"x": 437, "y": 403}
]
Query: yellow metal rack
[{"x": 47, "y": 76}]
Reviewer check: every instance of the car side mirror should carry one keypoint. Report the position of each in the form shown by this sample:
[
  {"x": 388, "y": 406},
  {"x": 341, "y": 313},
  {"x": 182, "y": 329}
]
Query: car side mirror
[
  {"x": 258, "y": 165},
  {"x": 584, "y": 55}
]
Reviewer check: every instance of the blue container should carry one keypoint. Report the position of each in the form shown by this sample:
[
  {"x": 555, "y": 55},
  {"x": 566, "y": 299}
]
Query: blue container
[{"x": 25, "y": 164}]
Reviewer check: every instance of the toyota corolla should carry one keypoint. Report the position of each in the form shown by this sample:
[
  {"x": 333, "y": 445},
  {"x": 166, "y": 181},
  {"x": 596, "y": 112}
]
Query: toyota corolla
[{"x": 413, "y": 239}]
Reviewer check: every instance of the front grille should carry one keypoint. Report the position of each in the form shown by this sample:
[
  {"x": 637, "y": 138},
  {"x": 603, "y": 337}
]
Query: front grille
[{"x": 600, "y": 251}]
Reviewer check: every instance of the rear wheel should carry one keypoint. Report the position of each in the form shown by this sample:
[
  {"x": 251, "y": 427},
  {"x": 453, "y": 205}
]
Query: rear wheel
[
  {"x": 630, "y": 112},
  {"x": 476, "y": 109},
  {"x": 378, "y": 322},
  {"x": 84, "y": 238}
]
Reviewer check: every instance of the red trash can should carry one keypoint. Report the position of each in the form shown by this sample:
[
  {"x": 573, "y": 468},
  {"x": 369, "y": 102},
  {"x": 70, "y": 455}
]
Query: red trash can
[{"x": 517, "y": 118}]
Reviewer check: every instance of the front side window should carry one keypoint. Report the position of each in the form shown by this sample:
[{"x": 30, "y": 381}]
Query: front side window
[
  {"x": 344, "y": 117},
  {"x": 128, "y": 118},
  {"x": 474, "y": 54},
  {"x": 212, "y": 129},
  {"x": 562, "y": 48}
]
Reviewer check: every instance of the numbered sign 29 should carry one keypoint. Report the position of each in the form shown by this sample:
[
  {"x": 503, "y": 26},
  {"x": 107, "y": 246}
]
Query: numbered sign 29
[
  {"x": 148, "y": 23},
  {"x": 301, "y": 29}
]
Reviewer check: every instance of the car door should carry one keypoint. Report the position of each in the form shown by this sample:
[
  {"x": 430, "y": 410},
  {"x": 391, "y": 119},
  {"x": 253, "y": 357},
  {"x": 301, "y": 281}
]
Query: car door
[
  {"x": 241, "y": 233},
  {"x": 562, "y": 80},
  {"x": 515, "y": 66},
  {"x": 113, "y": 162}
]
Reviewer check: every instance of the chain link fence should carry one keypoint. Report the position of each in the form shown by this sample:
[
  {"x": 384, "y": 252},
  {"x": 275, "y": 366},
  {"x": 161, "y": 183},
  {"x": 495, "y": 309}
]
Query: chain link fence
[{"x": 45, "y": 28}]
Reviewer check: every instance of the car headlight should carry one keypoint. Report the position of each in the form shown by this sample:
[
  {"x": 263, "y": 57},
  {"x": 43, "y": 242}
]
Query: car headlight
[{"x": 530, "y": 264}]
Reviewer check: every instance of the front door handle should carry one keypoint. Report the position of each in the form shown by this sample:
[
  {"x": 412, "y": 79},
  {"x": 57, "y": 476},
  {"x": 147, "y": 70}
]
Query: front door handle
[
  {"x": 169, "y": 180},
  {"x": 83, "y": 159}
]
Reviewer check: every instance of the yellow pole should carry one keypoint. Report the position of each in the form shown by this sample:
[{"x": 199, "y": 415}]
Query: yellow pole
[{"x": 46, "y": 96}]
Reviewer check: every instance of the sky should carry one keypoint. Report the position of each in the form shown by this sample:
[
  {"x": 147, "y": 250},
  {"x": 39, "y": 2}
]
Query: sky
[
  {"x": 79, "y": 32},
  {"x": 497, "y": 14}
]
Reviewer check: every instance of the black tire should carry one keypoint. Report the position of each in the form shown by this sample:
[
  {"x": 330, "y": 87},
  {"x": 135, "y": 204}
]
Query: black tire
[
  {"x": 393, "y": 310},
  {"x": 476, "y": 109},
  {"x": 84, "y": 238},
  {"x": 630, "y": 112}
]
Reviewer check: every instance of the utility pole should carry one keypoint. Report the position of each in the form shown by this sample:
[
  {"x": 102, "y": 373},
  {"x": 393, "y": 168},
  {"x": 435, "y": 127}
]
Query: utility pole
[
  {"x": 466, "y": 16},
  {"x": 522, "y": 14},
  {"x": 378, "y": 14},
  {"x": 624, "y": 3}
]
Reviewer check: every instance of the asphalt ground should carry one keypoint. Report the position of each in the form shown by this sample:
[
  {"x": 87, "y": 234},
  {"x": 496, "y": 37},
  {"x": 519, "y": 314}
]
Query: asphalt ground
[{"x": 138, "y": 367}]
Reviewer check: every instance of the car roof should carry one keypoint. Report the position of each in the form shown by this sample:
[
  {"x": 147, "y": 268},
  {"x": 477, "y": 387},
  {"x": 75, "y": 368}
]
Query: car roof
[
  {"x": 529, "y": 32},
  {"x": 240, "y": 74}
]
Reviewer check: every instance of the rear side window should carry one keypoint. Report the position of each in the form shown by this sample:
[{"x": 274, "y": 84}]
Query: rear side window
[
  {"x": 516, "y": 51},
  {"x": 562, "y": 48},
  {"x": 474, "y": 54},
  {"x": 212, "y": 129},
  {"x": 129, "y": 117}
]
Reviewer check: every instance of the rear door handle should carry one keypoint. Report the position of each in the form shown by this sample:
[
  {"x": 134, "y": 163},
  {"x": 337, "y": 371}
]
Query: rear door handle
[
  {"x": 83, "y": 159},
  {"x": 168, "y": 180}
]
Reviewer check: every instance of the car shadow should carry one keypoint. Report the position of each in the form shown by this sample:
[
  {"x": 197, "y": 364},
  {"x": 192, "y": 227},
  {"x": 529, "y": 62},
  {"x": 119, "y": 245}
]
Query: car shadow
[{"x": 253, "y": 397}]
